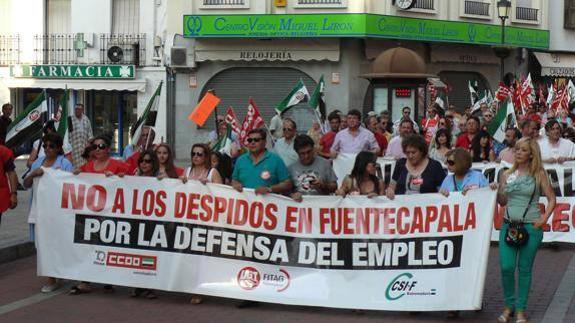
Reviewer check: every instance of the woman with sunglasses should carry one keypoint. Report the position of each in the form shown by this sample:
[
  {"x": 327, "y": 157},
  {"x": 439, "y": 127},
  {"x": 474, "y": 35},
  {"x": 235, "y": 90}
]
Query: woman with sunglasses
[
  {"x": 102, "y": 163},
  {"x": 363, "y": 179},
  {"x": 416, "y": 173},
  {"x": 38, "y": 150},
  {"x": 148, "y": 166},
  {"x": 201, "y": 169},
  {"x": 440, "y": 145},
  {"x": 53, "y": 157},
  {"x": 462, "y": 177},
  {"x": 519, "y": 190},
  {"x": 166, "y": 161}
]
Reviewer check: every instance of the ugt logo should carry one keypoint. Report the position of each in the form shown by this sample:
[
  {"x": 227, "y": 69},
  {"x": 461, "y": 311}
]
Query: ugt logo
[
  {"x": 194, "y": 25},
  {"x": 399, "y": 286}
]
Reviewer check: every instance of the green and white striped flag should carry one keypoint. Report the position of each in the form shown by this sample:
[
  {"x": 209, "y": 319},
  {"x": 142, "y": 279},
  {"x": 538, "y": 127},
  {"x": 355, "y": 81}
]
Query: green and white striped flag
[
  {"x": 504, "y": 118},
  {"x": 316, "y": 100},
  {"x": 298, "y": 94},
  {"x": 148, "y": 118},
  {"x": 224, "y": 144},
  {"x": 62, "y": 115},
  {"x": 28, "y": 122}
]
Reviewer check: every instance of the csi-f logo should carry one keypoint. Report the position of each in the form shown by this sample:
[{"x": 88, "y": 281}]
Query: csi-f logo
[
  {"x": 194, "y": 25},
  {"x": 399, "y": 286}
]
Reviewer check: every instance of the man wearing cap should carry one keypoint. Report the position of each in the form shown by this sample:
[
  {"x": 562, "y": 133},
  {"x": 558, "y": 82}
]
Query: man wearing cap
[{"x": 80, "y": 131}]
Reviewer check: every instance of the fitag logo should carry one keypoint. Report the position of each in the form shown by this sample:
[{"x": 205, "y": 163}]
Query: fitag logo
[{"x": 194, "y": 25}]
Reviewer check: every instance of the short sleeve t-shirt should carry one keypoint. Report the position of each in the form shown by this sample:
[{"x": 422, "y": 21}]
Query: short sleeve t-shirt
[
  {"x": 302, "y": 176},
  {"x": 270, "y": 170},
  {"x": 114, "y": 166}
]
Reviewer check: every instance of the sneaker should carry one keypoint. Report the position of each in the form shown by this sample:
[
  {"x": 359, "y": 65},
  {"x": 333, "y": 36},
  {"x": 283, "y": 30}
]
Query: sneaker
[{"x": 49, "y": 288}]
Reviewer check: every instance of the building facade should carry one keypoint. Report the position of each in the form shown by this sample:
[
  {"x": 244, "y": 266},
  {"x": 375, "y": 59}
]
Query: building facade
[
  {"x": 259, "y": 49},
  {"x": 108, "y": 53}
]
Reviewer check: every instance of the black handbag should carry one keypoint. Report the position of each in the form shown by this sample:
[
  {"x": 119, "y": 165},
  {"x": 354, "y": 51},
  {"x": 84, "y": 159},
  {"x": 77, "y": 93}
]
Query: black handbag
[{"x": 516, "y": 235}]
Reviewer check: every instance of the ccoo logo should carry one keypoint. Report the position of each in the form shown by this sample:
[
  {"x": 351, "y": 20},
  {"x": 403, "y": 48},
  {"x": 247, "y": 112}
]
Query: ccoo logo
[{"x": 194, "y": 25}]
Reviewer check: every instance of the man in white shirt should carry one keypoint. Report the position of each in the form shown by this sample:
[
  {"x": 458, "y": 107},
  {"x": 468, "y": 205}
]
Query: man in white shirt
[
  {"x": 284, "y": 146},
  {"x": 555, "y": 149}
]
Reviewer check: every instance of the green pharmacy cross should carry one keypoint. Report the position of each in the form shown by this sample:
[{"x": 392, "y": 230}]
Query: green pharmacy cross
[{"x": 80, "y": 44}]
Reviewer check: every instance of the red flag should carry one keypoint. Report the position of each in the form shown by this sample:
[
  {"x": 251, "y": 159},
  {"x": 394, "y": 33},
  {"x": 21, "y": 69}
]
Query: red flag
[
  {"x": 542, "y": 96},
  {"x": 232, "y": 120},
  {"x": 253, "y": 120},
  {"x": 561, "y": 100},
  {"x": 503, "y": 92}
]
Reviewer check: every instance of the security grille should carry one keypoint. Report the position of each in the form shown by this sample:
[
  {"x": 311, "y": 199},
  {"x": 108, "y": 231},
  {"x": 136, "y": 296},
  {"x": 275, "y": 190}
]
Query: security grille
[{"x": 267, "y": 87}]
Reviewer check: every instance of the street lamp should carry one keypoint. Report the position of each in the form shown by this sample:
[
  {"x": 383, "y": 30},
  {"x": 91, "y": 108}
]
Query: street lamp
[{"x": 503, "y": 7}]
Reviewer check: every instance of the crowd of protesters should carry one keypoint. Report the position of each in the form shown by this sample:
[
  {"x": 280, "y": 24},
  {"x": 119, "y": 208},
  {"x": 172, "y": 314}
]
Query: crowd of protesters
[{"x": 281, "y": 161}]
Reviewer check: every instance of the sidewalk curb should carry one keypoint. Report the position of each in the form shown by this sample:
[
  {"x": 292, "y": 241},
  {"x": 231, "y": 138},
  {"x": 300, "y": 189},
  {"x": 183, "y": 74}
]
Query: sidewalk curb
[{"x": 17, "y": 251}]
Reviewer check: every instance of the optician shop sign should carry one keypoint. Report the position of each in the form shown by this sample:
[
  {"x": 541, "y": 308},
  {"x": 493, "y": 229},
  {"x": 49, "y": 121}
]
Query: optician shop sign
[
  {"x": 74, "y": 71},
  {"x": 359, "y": 25}
]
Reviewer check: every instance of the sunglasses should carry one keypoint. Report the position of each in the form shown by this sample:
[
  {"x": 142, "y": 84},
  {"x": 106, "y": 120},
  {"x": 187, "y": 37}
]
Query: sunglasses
[
  {"x": 450, "y": 162},
  {"x": 250, "y": 140},
  {"x": 288, "y": 129},
  {"x": 198, "y": 154},
  {"x": 450, "y": 117},
  {"x": 488, "y": 116},
  {"x": 51, "y": 146},
  {"x": 146, "y": 160},
  {"x": 99, "y": 146}
]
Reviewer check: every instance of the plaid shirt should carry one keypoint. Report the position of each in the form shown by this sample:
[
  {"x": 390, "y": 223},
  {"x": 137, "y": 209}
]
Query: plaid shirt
[{"x": 78, "y": 137}]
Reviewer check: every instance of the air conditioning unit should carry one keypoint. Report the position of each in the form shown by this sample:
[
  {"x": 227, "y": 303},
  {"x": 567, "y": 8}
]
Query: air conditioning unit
[
  {"x": 117, "y": 48},
  {"x": 180, "y": 58}
]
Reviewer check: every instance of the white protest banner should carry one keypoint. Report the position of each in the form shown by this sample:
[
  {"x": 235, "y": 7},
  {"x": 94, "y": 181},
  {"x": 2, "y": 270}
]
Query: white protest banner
[
  {"x": 410, "y": 254},
  {"x": 561, "y": 224}
]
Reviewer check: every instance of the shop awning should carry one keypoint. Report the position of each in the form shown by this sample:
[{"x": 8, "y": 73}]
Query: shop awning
[
  {"x": 106, "y": 85},
  {"x": 555, "y": 64},
  {"x": 267, "y": 50}
]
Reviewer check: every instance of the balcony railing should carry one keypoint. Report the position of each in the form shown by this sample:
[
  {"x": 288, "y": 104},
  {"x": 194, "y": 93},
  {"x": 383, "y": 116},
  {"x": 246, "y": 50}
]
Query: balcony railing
[
  {"x": 123, "y": 49},
  {"x": 320, "y": 2},
  {"x": 530, "y": 14},
  {"x": 477, "y": 8},
  {"x": 9, "y": 50},
  {"x": 224, "y": 2},
  {"x": 424, "y": 4},
  {"x": 55, "y": 49}
]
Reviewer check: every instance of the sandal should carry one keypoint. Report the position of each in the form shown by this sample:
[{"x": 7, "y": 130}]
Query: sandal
[
  {"x": 76, "y": 290},
  {"x": 521, "y": 318},
  {"x": 196, "y": 299},
  {"x": 505, "y": 316}
]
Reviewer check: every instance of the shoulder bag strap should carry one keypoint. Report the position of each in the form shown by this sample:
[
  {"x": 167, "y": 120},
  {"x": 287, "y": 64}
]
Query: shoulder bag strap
[
  {"x": 455, "y": 184},
  {"x": 526, "y": 208}
]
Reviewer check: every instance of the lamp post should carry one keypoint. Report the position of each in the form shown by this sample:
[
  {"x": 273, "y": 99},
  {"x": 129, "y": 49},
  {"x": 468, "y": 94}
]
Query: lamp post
[{"x": 503, "y": 7}]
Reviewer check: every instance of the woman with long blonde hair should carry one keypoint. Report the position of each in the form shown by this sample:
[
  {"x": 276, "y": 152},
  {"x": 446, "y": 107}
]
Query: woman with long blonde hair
[{"x": 522, "y": 232}]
